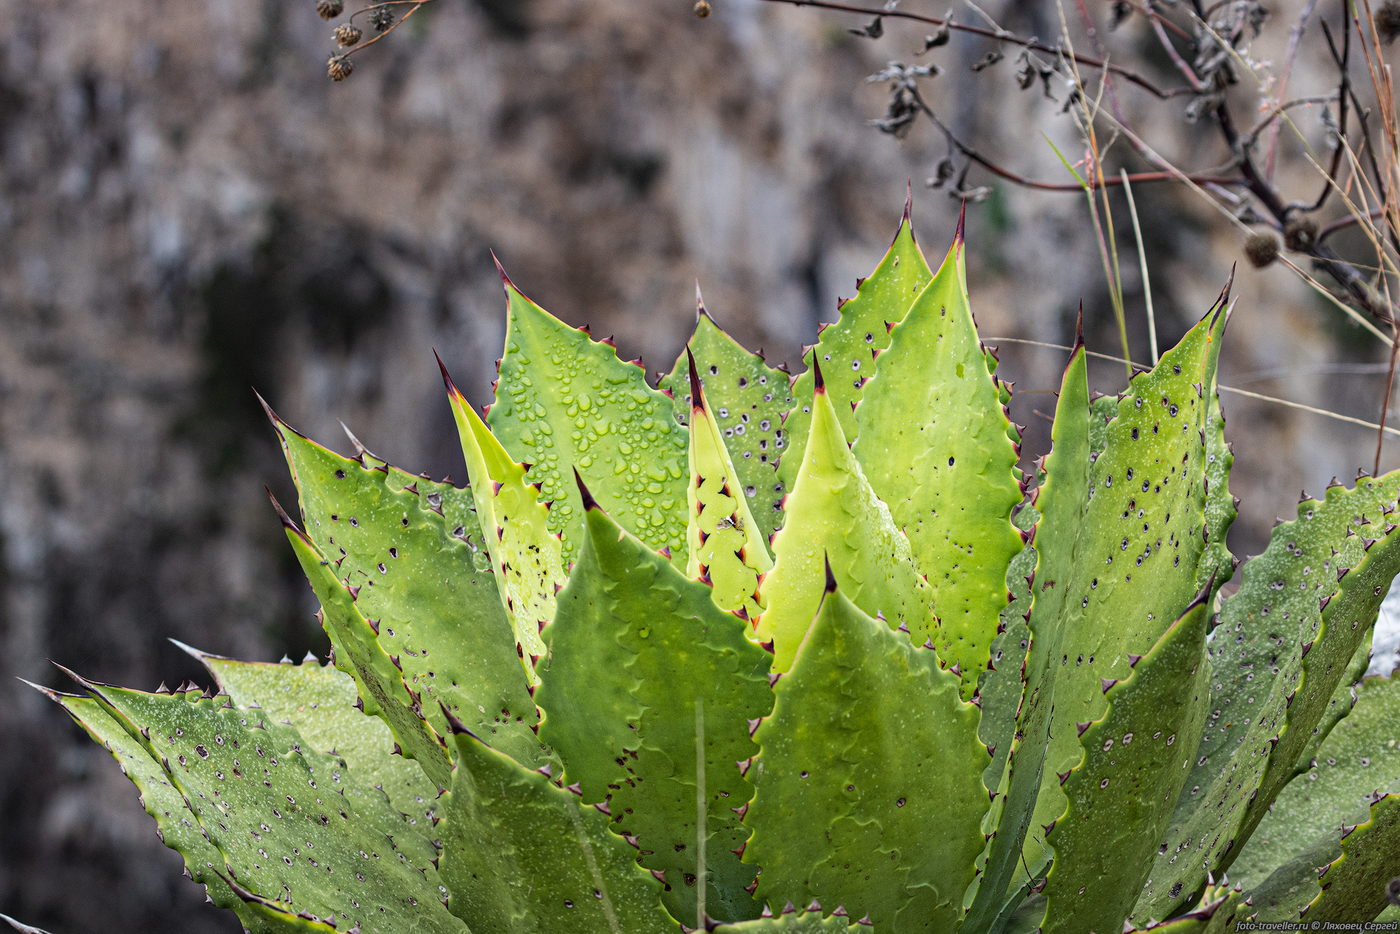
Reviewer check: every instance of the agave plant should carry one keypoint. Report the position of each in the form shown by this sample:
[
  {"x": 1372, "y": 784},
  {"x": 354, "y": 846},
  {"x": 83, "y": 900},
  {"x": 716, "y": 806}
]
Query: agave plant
[{"x": 755, "y": 654}]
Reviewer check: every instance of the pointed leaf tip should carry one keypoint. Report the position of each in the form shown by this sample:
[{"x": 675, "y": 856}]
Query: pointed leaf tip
[
  {"x": 908, "y": 200},
  {"x": 700, "y": 310},
  {"x": 452, "y": 389},
  {"x": 1225, "y": 292},
  {"x": 501, "y": 271},
  {"x": 90, "y": 685},
  {"x": 271, "y": 415},
  {"x": 47, "y": 692},
  {"x": 818, "y": 384},
  {"x": 696, "y": 402},
  {"x": 830, "y": 575},
  {"x": 287, "y": 521},
  {"x": 589, "y": 502},
  {"x": 198, "y": 654},
  {"x": 960, "y": 232},
  {"x": 360, "y": 448},
  {"x": 457, "y": 727},
  {"x": 1078, "y": 329}
]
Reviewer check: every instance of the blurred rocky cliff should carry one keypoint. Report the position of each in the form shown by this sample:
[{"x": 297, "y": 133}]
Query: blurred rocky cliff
[{"x": 189, "y": 209}]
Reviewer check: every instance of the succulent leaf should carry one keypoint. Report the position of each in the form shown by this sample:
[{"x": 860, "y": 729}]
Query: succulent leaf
[
  {"x": 999, "y": 690},
  {"x": 934, "y": 442},
  {"x": 268, "y": 915},
  {"x": 943, "y": 701},
  {"x": 647, "y": 695},
  {"x": 1358, "y": 764},
  {"x": 1060, "y": 501},
  {"x": 835, "y": 520},
  {"x": 1354, "y": 885},
  {"x": 293, "y": 827},
  {"x": 1258, "y": 658},
  {"x": 871, "y": 788},
  {"x": 797, "y": 922},
  {"x": 725, "y": 544},
  {"x": 521, "y": 854},
  {"x": 1216, "y": 563},
  {"x": 1122, "y": 795},
  {"x": 318, "y": 701},
  {"x": 748, "y": 401},
  {"x": 1220, "y": 911},
  {"x": 526, "y": 554},
  {"x": 415, "y": 551},
  {"x": 175, "y": 821},
  {"x": 378, "y": 679},
  {"x": 1343, "y": 699},
  {"x": 846, "y": 348},
  {"x": 1143, "y": 520},
  {"x": 561, "y": 397}
]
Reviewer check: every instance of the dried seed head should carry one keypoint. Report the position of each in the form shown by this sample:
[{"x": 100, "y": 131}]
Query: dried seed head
[
  {"x": 1299, "y": 233},
  {"x": 1388, "y": 21},
  {"x": 330, "y": 9},
  {"x": 381, "y": 18},
  {"x": 702, "y": 8},
  {"x": 1261, "y": 248},
  {"x": 347, "y": 34},
  {"x": 339, "y": 67}
]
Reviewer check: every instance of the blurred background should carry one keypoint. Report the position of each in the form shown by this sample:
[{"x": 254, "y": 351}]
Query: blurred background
[{"x": 189, "y": 210}]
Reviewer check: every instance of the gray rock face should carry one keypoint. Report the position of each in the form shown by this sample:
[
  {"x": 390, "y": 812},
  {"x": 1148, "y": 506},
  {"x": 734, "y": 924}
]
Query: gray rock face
[{"x": 189, "y": 209}]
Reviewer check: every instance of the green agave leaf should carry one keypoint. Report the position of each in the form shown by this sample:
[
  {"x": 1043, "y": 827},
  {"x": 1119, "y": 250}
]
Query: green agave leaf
[
  {"x": 845, "y": 348},
  {"x": 1216, "y": 563},
  {"x": 796, "y": 922},
  {"x": 162, "y": 800},
  {"x": 748, "y": 401},
  {"x": 1059, "y": 502},
  {"x": 1122, "y": 795},
  {"x": 1220, "y": 911},
  {"x": 318, "y": 701},
  {"x": 1321, "y": 887},
  {"x": 1347, "y": 621},
  {"x": 835, "y": 518},
  {"x": 647, "y": 693},
  {"x": 1102, "y": 411},
  {"x": 378, "y": 678},
  {"x": 999, "y": 690},
  {"x": 414, "y": 549},
  {"x": 272, "y": 917},
  {"x": 1354, "y": 885},
  {"x": 1144, "y": 519},
  {"x": 521, "y": 854},
  {"x": 526, "y": 554},
  {"x": 937, "y": 447},
  {"x": 1290, "y": 887},
  {"x": 1258, "y": 657},
  {"x": 1343, "y": 698},
  {"x": 291, "y": 824},
  {"x": 725, "y": 544},
  {"x": 1358, "y": 763},
  {"x": 846, "y": 806},
  {"x": 560, "y": 398}
]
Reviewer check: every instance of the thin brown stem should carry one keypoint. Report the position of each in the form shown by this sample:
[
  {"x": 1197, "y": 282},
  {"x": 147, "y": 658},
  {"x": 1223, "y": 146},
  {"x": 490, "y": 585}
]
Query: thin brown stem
[
  {"x": 1342, "y": 60},
  {"x": 998, "y": 35},
  {"x": 1159, "y": 29},
  {"x": 413, "y": 4},
  {"x": 1094, "y": 181}
]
